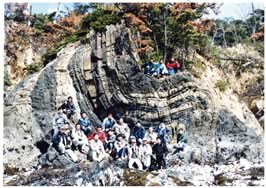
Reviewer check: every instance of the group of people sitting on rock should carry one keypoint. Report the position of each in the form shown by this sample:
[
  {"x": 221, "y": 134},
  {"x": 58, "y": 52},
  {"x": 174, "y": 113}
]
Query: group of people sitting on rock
[
  {"x": 160, "y": 69},
  {"x": 144, "y": 150}
]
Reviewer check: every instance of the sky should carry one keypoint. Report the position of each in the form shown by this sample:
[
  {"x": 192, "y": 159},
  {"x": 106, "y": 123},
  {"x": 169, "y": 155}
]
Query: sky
[
  {"x": 48, "y": 7},
  {"x": 235, "y": 10}
]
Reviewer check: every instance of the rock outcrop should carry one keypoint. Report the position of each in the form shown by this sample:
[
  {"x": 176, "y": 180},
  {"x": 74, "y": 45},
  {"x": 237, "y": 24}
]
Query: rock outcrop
[
  {"x": 22, "y": 48},
  {"x": 103, "y": 76}
]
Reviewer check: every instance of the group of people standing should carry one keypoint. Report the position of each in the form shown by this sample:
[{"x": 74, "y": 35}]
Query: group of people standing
[
  {"x": 160, "y": 69},
  {"x": 144, "y": 150}
]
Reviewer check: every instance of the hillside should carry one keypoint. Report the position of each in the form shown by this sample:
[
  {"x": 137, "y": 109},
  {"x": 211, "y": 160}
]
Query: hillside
[
  {"x": 220, "y": 117},
  {"x": 219, "y": 101}
]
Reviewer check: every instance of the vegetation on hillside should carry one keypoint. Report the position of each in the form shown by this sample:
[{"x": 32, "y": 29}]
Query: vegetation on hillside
[{"x": 165, "y": 29}]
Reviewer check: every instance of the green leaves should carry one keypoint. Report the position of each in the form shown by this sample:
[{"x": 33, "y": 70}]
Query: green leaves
[
  {"x": 99, "y": 19},
  {"x": 222, "y": 85},
  {"x": 7, "y": 81},
  {"x": 33, "y": 68}
]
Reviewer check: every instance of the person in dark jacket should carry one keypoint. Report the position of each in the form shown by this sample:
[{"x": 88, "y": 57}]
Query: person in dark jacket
[
  {"x": 85, "y": 124},
  {"x": 182, "y": 139},
  {"x": 109, "y": 141},
  {"x": 161, "y": 131},
  {"x": 69, "y": 107},
  {"x": 160, "y": 151},
  {"x": 138, "y": 133},
  {"x": 62, "y": 143},
  {"x": 148, "y": 67}
]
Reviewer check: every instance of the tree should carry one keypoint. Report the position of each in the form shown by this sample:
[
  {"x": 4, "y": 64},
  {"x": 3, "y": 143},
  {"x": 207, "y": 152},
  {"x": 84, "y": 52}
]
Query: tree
[
  {"x": 17, "y": 12},
  {"x": 81, "y": 8},
  {"x": 168, "y": 26},
  {"x": 99, "y": 19}
]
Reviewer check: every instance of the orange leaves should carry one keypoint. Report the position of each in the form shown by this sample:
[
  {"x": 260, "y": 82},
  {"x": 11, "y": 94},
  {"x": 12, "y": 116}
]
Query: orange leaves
[
  {"x": 134, "y": 20},
  {"x": 202, "y": 26},
  {"x": 143, "y": 46},
  {"x": 185, "y": 6},
  {"x": 142, "y": 42},
  {"x": 178, "y": 7},
  {"x": 71, "y": 21},
  {"x": 57, "y": 29},
  {"x": 258, "y": 35},
  {"x": 144, "y": 49}
]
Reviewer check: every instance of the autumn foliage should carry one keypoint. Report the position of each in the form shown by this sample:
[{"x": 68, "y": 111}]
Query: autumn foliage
[
  {"x": 143, "y": 46},
  {"x": 258, "y": 36},
  {"x": 72, "y": 21},
  {"x": 202, "y": 26},
  {"x": 134, "y": 20}
]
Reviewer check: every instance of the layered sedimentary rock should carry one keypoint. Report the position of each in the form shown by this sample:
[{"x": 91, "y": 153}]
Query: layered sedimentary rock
[{"x": 103, "y": 76}]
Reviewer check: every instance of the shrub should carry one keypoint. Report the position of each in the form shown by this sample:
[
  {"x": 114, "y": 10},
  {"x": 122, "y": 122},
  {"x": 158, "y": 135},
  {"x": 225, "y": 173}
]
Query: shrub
[
  {"x": 7, "y": 81},
  {"x": 99, "y": 19},
  {"x": 222, "y": 85},
  {"x": 195, "y": 67},
  {"x": 51, "y": 54},
  {"x": 132, "y": 178},
  {"x": 32, "y": 68},
  {"x": 214, "y": 54}
]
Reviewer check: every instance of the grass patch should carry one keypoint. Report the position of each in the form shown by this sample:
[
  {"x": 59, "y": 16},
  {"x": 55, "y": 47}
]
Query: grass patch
[
  {"x": 33, "y": 68},
  {"x": 135, "y": 178},
  {"x": 178, "y": 182},
  {"x": 222, "y": 85},
  {"x": 195, "y": 67},
  {"x": 221, "y": 180},
  {"x": 51, "y": 54},
  {"x": 7, "y": 81}
]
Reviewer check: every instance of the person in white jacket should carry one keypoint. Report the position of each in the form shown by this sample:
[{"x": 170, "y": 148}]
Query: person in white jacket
[
  {"x": 151, "y": 136},
  {"x": 97, "y": 149},
  {"x": 59, "y": 121},
  {"x": 120, "y": 147},
  {"x": 79, "y": 138},
  {"x": 122, "y": 128},
  {"x": 134, "y": 155},
  {"x": 146, "y": 153}
]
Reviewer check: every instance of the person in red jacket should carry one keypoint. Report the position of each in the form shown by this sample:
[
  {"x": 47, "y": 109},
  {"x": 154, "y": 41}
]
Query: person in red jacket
[
  {"x": 172, "y": 66},
  {"x": 99, "y": 132}
]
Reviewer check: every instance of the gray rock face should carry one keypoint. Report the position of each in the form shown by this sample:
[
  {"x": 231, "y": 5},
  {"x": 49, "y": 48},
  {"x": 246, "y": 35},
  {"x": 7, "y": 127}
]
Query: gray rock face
[{"x": 103, "y": 76}]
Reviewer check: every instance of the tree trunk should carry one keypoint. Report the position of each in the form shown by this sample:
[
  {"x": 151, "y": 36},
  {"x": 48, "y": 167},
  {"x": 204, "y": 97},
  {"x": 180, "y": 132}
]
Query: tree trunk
[
  {"x": 235, "y": 34},
  {"x": 222, "y": 28},
  {"x": 213, "y": 38},
  {"x": 254, "y": 19},
  {"x": 57, "y": 13},
  {"x": 165, "y": 34},
  {"x": 155, "y": 41},
  {"x": 183, "y": 56},
  {"x": 30, "y": 13}
]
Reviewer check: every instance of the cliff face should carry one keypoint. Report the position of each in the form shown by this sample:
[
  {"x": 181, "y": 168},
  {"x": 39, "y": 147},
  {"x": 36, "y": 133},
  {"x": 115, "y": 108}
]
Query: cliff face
[
  {"x": 23, "y": 47},
  {"x": 102, "y": 75}
]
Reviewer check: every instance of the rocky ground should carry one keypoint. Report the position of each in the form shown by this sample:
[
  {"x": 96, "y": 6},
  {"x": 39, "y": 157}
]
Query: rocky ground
[{"x": 55, "y": 170}]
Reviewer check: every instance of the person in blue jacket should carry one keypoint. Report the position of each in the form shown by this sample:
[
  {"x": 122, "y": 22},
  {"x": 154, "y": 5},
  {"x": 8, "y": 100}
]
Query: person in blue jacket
[
  {"x": 108, "y": 122},
  {"x": 139, "y": 133},
  {"x": 85, "y": 124}
]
